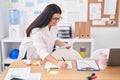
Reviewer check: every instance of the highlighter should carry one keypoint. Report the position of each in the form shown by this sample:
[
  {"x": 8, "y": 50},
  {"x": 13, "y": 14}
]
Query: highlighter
[
  {"x": 93, "y": 77},
  {"x": 90, "y": 75}
]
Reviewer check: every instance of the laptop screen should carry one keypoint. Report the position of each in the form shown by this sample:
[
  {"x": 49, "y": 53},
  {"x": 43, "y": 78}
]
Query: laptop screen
[{"x": 114, "y": 57}]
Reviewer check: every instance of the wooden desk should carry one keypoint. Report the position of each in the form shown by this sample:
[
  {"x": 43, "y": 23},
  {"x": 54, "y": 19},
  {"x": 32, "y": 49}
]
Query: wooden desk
[{"x": 110, "y": 73}]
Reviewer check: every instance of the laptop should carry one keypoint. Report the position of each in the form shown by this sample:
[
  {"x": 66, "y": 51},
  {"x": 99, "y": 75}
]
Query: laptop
[{"x": 114, "y": 57}]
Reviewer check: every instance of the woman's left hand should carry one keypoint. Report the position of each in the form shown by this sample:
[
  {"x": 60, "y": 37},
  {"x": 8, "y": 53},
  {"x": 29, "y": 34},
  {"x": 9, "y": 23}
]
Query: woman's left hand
[{"x": 67, "y": 46}]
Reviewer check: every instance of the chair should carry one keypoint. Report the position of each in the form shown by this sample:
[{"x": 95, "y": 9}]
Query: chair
[
  {"x": 95, "y": 54},
  {"x": 68, "y": 54}
]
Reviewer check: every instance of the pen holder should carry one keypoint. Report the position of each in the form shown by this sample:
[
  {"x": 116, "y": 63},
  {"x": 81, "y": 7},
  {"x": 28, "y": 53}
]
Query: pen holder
[{"x": 102, "y": 61}]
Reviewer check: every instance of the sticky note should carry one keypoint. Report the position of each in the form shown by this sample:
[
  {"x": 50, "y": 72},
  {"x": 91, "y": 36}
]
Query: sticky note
[
  {"x": 53, "y": 72},
  {"x": 38, "y": 63},
  {"x": 10, "y": 5},
  {"x": 34, "y": 64},
  {"x": 21, "y": 1},
  {"x": 100, "y": 0},
  {"x": 14, "y": 1},
  {"x": 48, "y": 70},
  {"x": 31, "y": 9},
  {"x": 29, "y": 4},
  {"x": 103, "y": 23},
  {"x": 112, "y": 16},
  {"x": 43, "y": 1},
  {"x": 81, "y": 1}
]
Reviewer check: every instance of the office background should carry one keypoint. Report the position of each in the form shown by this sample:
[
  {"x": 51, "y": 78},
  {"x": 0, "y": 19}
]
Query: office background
[{"x": 104, "y": 37}]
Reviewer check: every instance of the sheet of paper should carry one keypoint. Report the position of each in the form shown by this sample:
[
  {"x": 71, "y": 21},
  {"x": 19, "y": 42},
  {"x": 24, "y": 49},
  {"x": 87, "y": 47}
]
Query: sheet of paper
[
  {"x": 110, "y": 7},
  {"x": 95, "y": 11},
  {"x": 98, "y": 22},
  {"x": 50, "y": 65},
  {"x": 77, "y": 13},
  {"x": 35, "y": 76},
  {"x": 105, "y": 19},
  {"x": 22, "y": 73},
  {"x": 84, "y": 64}
]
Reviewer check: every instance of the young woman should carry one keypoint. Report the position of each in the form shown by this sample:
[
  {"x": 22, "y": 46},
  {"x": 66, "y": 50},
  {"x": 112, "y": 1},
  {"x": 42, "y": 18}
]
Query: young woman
[{"x": 41, "y": 36}]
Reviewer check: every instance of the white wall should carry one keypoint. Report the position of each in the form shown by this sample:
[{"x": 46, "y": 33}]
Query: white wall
[
  {"x": 3, "y": 18},
  {"x": 106, "y": 37},
  {"x": 3, "y": 23}
]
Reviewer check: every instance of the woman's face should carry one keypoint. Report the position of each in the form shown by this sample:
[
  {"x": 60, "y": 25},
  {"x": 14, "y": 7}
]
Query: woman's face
[{"x": 55, "y": 19}]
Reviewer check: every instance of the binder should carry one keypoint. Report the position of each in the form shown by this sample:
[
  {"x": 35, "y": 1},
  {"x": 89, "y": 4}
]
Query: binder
[
  {"x": 87, "y": 65},
  {"x": 77, "y": 29},
  {"x": 82, "y": 29}
]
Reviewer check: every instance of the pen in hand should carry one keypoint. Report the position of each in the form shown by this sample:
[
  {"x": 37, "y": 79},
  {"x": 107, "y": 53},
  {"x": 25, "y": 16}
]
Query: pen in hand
[
  {"x": 65, "y": 64},
  {"x": 63, "y": 59}
]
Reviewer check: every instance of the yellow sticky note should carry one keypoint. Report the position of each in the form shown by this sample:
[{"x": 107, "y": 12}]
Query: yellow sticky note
[
  {"x": 21, "y": 1},
  {"x": 10, "y": 5},
  {"x": 103, "y": 23},
  {"x": 35, "y": 1},
  {"x": 38, "y": 63},
  {"x": 48, "y": 69},
  {"x": 112, "y": 16},
  {"x": 34, "y": 64},
  {"x": 100, "y": 0},
  {"x": 31, "y": 9},
  {"x": 53, "y": 72},
  {"x": 81, "y": 1}
]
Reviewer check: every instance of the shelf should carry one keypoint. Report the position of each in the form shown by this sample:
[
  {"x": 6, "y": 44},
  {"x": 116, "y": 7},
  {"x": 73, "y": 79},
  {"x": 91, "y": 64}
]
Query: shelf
[
  {"x": 84, "y": 40},
  {"x": 76, "y": 44},
  {"x": 8, "y": 60},
  {"x": 11, "y": 40},
  {"x": 8, "y": 45}
]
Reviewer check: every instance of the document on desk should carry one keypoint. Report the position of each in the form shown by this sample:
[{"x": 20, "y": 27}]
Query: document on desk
[
  {"x": 84, "y": 65},
  {"x": 35, "y": 76},
  {"x": 52, "y": 66},
  {"x": 22, "y": 73}
]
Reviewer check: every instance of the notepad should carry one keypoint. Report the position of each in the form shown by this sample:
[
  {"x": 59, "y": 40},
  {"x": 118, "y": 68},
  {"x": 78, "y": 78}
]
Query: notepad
[
  {"x": 50, "y": 65},
  {"x": 84, "y": 65}
]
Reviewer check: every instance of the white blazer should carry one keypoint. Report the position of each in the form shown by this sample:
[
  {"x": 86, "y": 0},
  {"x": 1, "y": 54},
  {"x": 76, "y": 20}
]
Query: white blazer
[{"x": 40, "y": 43}]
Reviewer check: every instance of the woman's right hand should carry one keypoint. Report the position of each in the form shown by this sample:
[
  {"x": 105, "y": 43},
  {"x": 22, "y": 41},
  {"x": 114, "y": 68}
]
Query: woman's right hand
[{"x": 62, "y": 64}]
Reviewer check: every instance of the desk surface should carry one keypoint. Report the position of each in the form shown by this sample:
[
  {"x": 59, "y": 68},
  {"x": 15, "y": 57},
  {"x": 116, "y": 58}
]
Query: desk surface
[{"x": 110, "y": 73}]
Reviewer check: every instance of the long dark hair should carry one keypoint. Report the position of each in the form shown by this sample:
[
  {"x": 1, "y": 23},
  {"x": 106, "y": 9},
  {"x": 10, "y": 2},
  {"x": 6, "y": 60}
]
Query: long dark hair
[{"x": 44, "y": 18}]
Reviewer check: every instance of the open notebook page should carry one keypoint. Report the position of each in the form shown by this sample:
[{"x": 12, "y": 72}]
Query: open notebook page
[{"x": 50, "y": 65}]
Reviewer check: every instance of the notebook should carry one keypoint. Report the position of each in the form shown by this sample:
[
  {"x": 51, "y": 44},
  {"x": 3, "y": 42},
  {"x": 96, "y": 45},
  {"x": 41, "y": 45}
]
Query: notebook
[
  {"x": 114, "y": 57},
  {"x": 84, "y": 65}
]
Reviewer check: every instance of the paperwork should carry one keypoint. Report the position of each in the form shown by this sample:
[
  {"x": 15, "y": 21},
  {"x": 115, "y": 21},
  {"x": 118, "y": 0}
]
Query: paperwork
[
  {"x": 83, "y": 65},
  {"x": 22, "y": 73},
  {"x": 50, "y": 65},
  {"x": 35, "y": 76}
]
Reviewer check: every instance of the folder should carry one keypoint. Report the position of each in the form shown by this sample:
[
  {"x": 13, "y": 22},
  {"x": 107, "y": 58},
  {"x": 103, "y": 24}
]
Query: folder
[
  {"x": 77, "y": 29},
  {"x": 85, "y": 65}
]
